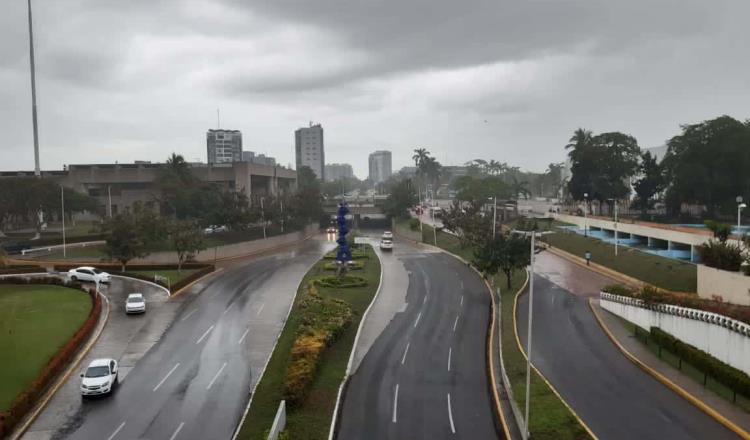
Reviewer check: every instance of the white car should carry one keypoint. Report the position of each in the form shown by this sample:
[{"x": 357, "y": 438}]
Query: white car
[
  {"x": 135, "y": 303},
  {"x": 214, "y": 229},
  {"x": 386, "y": 244},
  {"x": 88, "y": 273},
  {"x": 99, "y": 378},
  {"x": 387, "y": 235}
]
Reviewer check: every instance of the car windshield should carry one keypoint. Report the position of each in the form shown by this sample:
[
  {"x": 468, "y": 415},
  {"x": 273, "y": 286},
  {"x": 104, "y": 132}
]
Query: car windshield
[
  {"x": 135, "y": 299},
  {"x": 97, "y": 271},
  {"x": 100, "y": 371}
]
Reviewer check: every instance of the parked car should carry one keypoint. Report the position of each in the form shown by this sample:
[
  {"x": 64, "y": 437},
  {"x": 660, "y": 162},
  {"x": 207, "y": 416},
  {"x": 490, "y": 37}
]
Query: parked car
[
  {"x": 215, "y": 228},
  {"x": 99, "y": 378},
  {"x": 388, "y": 235},
  {"x": 331, "y": 230},
  {"x": 135, "y": 303},
  {"x": 88, "y": 273},
  {"x": 386, "y": 244}
]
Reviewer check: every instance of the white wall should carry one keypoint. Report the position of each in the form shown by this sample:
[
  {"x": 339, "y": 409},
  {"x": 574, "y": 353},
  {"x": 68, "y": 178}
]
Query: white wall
[
  {"x": 723, "y": 338},
  {"x": 733, "y": 287}
]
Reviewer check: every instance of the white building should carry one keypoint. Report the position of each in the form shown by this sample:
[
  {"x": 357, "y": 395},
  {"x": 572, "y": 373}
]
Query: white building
[
  {"x": 380, "y": 166},
  {"x": 310, "y": 150},
  {"x": 224, "y": 146}
]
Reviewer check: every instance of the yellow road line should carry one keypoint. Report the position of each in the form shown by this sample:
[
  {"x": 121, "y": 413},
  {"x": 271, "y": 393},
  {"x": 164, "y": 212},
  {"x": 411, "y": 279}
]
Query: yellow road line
[
  {"x": 671, "y": 385},
  {"x": 554, "y": 390}
]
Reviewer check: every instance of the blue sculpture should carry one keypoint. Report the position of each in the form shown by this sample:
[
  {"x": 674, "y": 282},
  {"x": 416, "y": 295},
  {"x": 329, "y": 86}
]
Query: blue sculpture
[{"x": 343, "y": 254}]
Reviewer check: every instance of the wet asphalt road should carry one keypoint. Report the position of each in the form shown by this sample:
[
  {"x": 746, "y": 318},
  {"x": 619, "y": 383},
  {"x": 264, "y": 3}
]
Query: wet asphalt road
[
  {"x": 195, "y": 382},
  {"x": 425, "y": 376},
  {"x": 615, "y": 398}
]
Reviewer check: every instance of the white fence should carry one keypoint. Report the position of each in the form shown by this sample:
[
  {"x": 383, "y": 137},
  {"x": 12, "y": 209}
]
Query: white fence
[{"x": 724, "y": 338}]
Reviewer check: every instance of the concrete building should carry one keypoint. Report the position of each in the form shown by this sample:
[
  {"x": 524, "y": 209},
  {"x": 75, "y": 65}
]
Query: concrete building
[
  {"x": 258, "y": 159},
  {"x": 224, "y": 146},
  {"x": 380, "y": 166},
  {"x": 309, "y": 149},
  {"x": 338, "y": 171},
  {"x": 118, "y": 186}
]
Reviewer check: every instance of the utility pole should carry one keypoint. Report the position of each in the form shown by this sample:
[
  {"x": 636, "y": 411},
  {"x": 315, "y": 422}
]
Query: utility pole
[
  {"x": 616, "y": 237},
  {"x": 263, "y": 217},
  {"x": 109, "y": 200},
  {"x": 281, "y": 202},
  {"x": 62, "y": 212},
  {"x": 37, "y": 170}
]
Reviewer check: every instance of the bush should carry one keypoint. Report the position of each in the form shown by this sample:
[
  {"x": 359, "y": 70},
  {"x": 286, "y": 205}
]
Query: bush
[
  {"x": 356, "y": 254},
  {"x": 414, "y": 224},
  {"x": 731, "y": 377},
  {"x": 721, "y": 255},
  {"x": 618, "y": 289},
  {"x": 340, "y": 282}
]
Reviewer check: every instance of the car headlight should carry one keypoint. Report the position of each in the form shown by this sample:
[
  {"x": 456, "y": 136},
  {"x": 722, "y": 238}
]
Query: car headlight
[{"x": 105, "y": 384}]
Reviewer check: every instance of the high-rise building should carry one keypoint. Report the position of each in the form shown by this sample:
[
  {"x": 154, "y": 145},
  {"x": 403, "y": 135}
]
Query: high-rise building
[
  {"x": 258, "y": 159},
  {"x": 338, "y": 171},
  {"x": 380, "y": 166},
  {"x": 224, "y": 146},
  {"x": 310, "y": 150}
]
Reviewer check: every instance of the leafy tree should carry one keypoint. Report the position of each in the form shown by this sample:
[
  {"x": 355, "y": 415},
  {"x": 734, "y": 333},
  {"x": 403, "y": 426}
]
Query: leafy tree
[
  {"x": 401, "y": 197},
  {"x": 124, "y": 241},
  {"x": 306, "y": 202},
  {"x": 721, "y": 231},
  {"x": 506, "y": 252},
  {"x": 650, "y": 183},
  {"x": 187, "y": 240},
  {"x": 707, "y": 165},
  {"x": 468, "y": 222}
]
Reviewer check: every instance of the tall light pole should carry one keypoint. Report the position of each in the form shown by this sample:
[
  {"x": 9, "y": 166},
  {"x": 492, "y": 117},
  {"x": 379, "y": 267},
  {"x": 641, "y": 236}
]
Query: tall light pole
[
  {"x": 62, "y": 212},
  {"x": 740, "y": 207},
  {"x": 586, "y": 214},
  {"x": 494, "y": 216},
  {"x": 263, "y": 217},
  {"x": 614, "y": 202},
  {"x": 37, "y": 170}
]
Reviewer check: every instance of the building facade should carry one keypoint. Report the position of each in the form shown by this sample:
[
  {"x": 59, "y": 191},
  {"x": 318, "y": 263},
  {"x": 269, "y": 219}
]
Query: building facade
[
  {"x": 380, "y": 166},
  {"x": 309, "y": 149},
  {"x": 338, "y": 171},
  {"x": 223, "y": 146},
  {"x": 258, "y": 159}
]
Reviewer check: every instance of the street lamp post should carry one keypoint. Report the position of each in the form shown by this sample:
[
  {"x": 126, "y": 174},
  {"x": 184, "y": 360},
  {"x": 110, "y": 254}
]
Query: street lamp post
[
  {"x": 586, "y": 214},
  {"x": 740, "y": 207},
  {"x": 614, "y": 202},
  {"x": 37, "y": 170},
  {"x": 494, "y": 216},
  {"x": 62, "y": 212},
  {"x": 263, "y": 217}
]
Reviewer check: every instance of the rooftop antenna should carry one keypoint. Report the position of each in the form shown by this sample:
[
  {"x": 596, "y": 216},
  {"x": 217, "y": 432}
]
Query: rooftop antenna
[{"x": 37, "y": 171}]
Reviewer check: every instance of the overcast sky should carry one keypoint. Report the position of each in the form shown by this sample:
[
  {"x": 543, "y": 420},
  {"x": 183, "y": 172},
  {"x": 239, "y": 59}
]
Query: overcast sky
[{"x": 495, "y": 79}]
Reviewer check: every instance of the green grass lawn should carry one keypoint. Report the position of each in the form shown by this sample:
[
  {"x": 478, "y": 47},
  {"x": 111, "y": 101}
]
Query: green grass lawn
[
  {"x": 662, "y": 272},
  {"x": 550, "y": 418},
  {"x": 92, "y": 252},
  {"x": 35, "y": 322},
  {"x": 312, "y": 420},
  {"x": 173, "y": 275}
]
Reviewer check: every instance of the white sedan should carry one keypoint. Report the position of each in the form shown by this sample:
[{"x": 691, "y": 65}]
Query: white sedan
[
  {"x": 135, "y": 303},
  {"x": 88, "y": 273},
  {"x": 387, "y": 235},
  {"x": 99, "y": 378},
  {"x": 386, "y": 244}
]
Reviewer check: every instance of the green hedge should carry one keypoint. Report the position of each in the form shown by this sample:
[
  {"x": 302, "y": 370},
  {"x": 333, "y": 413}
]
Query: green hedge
[
  {"x": 356, "y": 254},
  {"x": 729, "y": 376},
  {"x": 355, "y": 265},
  {"x": 340, "y": 282}
]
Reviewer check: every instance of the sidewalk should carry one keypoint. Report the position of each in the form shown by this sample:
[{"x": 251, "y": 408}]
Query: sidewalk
[{"x": 735, "y": 414}]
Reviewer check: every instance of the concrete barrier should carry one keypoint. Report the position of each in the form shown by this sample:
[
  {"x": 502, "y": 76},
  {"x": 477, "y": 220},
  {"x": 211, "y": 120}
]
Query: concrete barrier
[
  {"x": 726, "y": 339},
  {"x": 279, "y": 422},
  {"x": 732, "y": 287},
  {"x": 232, "y": 250}
]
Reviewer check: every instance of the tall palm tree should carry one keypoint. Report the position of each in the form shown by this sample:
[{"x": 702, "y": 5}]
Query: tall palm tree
[
  {"x": 581, "y": 138},
  {"x": 520, "y": 187},
  {"x": 420, "y": 155},
  {"x": 481, "y": 164}
]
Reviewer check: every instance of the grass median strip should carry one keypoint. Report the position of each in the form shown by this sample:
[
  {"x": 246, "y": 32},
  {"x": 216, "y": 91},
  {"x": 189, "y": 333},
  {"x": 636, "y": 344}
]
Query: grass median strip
[
  {"x": 35, "y": 322},
  {"x": 311, "y": 355},
  {"x": 173, "y": 275}
]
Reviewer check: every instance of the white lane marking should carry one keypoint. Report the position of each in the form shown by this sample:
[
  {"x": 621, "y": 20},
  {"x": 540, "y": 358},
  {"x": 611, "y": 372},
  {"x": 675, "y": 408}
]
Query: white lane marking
[
  {"x": 228, "y": 308},
  {"x": 450, "y": 414},
  {"x": 210, "y": 384},
  {"x": 395, "y": 404},
  {"x": 204, "y": 335},
  {"x": 403, "y": 358},
  {"x": 450, "y": 351},
  {"x": 167, "y": 376},
  {"x": 424, "y": 299},
  {"x": 116, "y": 431},
  {"x": 417, "y": 321},
  {"x": 260, "y": 309},
  {"x": 189, "y": 314},
  {"x": 462, "y": 301},
  {"x": 462, "y": 284},
  {"x": 177, "y": 431},
  {"x": 455, "y": 323},
  {"x": 243, "y": 335}
]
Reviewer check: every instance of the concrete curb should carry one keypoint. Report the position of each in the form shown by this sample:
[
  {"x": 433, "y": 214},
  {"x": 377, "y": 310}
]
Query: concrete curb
[
  {"x": 668, "y": 383},
  {"x": 103, "y": 318},
  {"x": 551, "y": 387},
  {"x": 496, "y": 397},
  {"x": 144, "y": 281},
  {"x": 184, "y": 288},
  {"x": 275, "y": 343},
  {"x": 334, "y": 419}
]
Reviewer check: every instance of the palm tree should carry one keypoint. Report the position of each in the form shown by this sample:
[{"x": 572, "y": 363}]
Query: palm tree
[
  {"x": 520, "y": 187},
  {"x": 481, "y": 164},
  {"x": 179, "y": 168},
  {"x": 419, "y": 157},
  {"x": 581, "y": 138}
]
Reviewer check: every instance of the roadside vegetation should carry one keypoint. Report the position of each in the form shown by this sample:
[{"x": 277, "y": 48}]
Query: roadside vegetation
[
  {"x": 310, "y": 358},
  {"x": 36, "y": 321},
  {"x": 173, "y": 275}
]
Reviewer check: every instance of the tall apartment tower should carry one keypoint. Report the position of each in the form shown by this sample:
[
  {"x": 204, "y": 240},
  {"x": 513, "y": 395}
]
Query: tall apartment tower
[
  {"x": 309, "y": 149},
  {"x": 380, "y": 166},
  {"x": 224, "y": 146}
]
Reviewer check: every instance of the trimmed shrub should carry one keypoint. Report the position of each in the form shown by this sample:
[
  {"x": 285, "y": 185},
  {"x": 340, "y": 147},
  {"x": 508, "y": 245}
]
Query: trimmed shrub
[
  {"x": 344, "y": 282},
  {"x": 356, "y": 254},
  {"x": 721, "y": 255},
  {"x": 731, "y": 377},
  {"x": 355, "y": 265},
  {"x": 414, "y": 224},
  {"x": 618, "y": 289}
]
